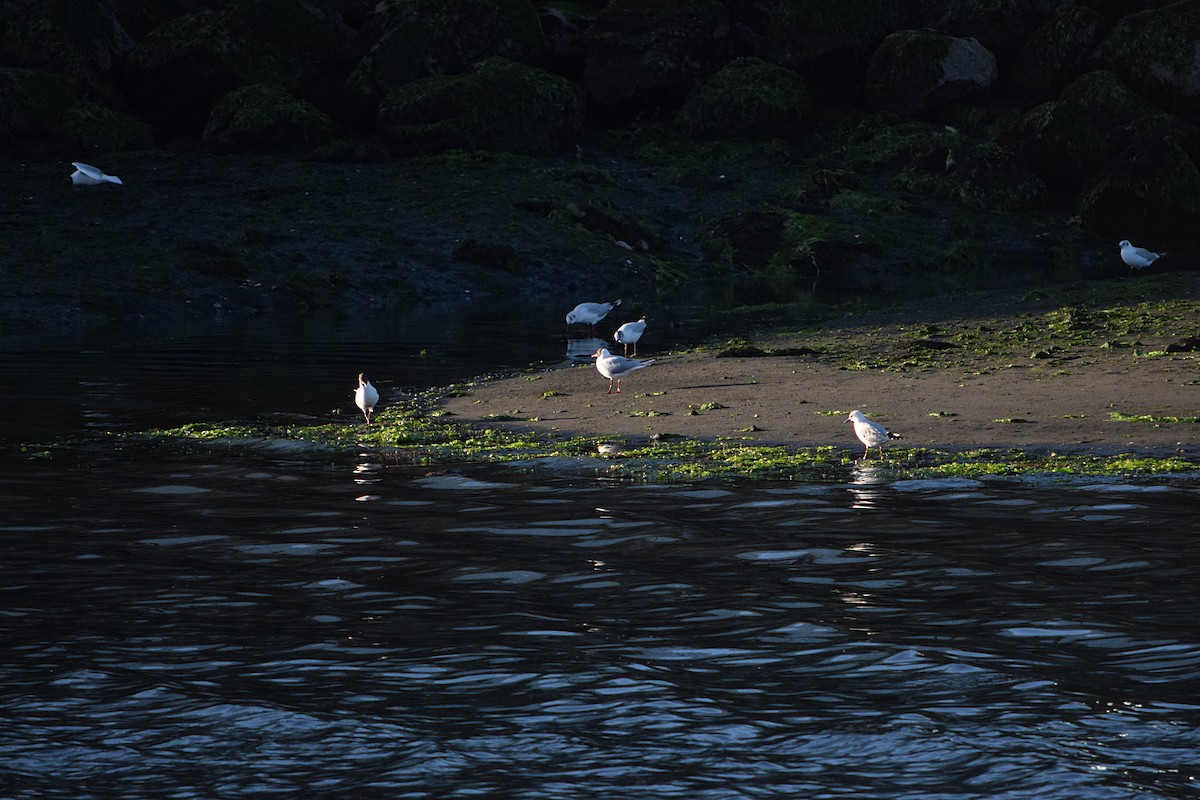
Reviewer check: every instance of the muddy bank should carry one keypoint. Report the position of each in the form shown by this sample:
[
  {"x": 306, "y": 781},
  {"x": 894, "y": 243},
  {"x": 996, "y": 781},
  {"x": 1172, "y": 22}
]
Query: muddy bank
[{"x": 1075, "y": 377}]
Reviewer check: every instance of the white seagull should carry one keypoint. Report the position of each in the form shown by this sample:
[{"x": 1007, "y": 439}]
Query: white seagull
[
  {"x": 1137, "y": 257},
  {"x": 616, "y": 367},
  {"x": 871, "y": 434},
  {"x": 87, "y": 175},
  {"x": 591, "y": 313},
  {"x": 629, "y": 333},
  {"x": 365, "y": 397}
]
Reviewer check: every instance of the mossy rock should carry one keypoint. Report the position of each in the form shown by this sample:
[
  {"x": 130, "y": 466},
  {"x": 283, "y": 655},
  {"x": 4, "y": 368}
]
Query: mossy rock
[
  {"x": 415, "y": 39},
  {"x": 32, "y": 103},
  {"x": 1055, "y": 53},
  {"x": 1106, "y": 100},
  {"x": 981, "y": 175},
  {"x": 1001, "y": 26},
  {"x": 1150, "y": 194},
  {"x": 92, "y": 128},
  {"x": 749, "y": 98},
  {"x": 81, "y": 40},
  {"x": 265, "y": 118},
  {"x": 501, "y": 105},
  {"x": 1061, "y": 145},
  {"x": 644, "y": 59},
  {"x": 829, "y": 43},
  {"x": 1156, "y": 53},
  {"x": 565, "y": 26},
  {"x": 914, "y": 72},
  {"x": 180, "y": 70}
]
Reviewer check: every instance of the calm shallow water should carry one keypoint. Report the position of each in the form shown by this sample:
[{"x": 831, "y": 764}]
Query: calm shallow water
[{"x": 238, "y": 624}]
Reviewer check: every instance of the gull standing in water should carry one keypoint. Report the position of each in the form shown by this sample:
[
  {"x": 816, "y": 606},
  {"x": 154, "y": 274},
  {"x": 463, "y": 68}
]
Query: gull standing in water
[
  {"x": 616, "y": 367},
  {"x": 629, "y": 333},
  {"x": 1137, "y": 257},
  {"x": 365, "y": 397},
  {"x": 87, "y": 175},
  {"x": 871, "y": 434},
  {"x": 590, "y": 313}
]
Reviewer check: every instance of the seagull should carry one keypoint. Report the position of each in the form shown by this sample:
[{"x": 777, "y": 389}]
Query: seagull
[
  {"x": 365, "y": 397},
  {"x": 591, "y": 313},
  {"x": 616, "y": 367},
  {"x": 629, "y": 333},
  {"x": 87, "y": 175},
  {"x": 1137, "y": 257},
  {"x": 871, "y": 434}
]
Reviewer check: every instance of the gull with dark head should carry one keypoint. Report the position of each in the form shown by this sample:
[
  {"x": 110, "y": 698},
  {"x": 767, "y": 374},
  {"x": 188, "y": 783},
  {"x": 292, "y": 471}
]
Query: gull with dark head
[
  {"x": 87, "y": 175},
  {"x": 366, "y": 397},
  {"x": 616, "y": 367},
  {"x": 1137, "y": 257},
  {"x": 590, "y": 313},
  {"x": 629, "y": 333},
  {"x": 870, "y": 433}
]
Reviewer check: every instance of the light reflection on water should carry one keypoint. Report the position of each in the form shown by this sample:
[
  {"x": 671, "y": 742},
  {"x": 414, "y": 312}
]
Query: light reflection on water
[{"x": 192, "y": 626}]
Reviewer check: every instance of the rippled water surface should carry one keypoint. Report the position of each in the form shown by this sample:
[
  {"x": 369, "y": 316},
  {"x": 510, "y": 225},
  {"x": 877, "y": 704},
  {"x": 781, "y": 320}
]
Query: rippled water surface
[{"x": 217, "y": 625}]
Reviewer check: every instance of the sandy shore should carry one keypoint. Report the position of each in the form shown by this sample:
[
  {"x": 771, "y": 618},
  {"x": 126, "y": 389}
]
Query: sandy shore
[{"x": 948, "y": 400}]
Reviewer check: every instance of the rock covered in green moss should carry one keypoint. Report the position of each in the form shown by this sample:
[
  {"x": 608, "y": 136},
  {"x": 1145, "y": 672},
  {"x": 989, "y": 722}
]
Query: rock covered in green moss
[
  {"x": 1001, "y": 26},
  {"x": 262, "y": 117},
  {"x": 1061, "y": 145},
  {"x": 32, "y": 102},
  {"x": 1156, "y": 52},
  {"x": 1151, "y": 193},
  {"x": 414, "y": 39},
  {"x": 91, "y": 128},
  {"x": 829, "y": 42},
  {"x": 914, "y": 72},
  {"x": 500, "y": 105},
  {"x": 748, "y": 97},
  {"x": 644, "y": 59},
  {"x": 181, "y": 69},
  {"x": 1055, "y": 53}
]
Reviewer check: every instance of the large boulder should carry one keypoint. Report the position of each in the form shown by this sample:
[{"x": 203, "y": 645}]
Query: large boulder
[
  {"x": 414, "y": 39},
  {"x": 265, "y": 118},
  {"x": 829, "y": 43},
  {"x": 1055, "y": 53},
  {"x": 914, "y": 72},
  {"x": 1121, "y": 115},
  {"x": 1156, "y": 52},
  {"x": 748, "y": 98},
  {"x": 80, "y": 40},
  {"x": 1151, "y": 193},
  {"x": 32, "y": 102},
  {"x": 1060, "y": 145},
  {"x": 88, "y": 127},
  {"x": 1002, "y": 27},
  {"x": 500, "y": 105},
  {"x": 180, "y": 70},
  {"x": 644, "y": 59}
]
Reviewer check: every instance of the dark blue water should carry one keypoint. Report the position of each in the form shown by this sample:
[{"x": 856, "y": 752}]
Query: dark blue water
[{"x": 249, "y": 623}]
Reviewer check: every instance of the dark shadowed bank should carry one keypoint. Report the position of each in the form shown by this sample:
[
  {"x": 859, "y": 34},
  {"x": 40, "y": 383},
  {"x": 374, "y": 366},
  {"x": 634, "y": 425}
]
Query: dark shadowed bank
[{"x": 281, "y": 156}]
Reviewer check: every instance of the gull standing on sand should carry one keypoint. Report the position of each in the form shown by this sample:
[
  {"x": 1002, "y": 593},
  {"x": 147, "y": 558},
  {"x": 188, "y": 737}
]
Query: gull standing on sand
[
  {"x": 591, "y": 313},
  {"x": 629, "y": 333},
  {"x": 1137, "y": 257},
  {"x": 87, "y": 175},
  {"x": 365, "y": 397},
  {"x": 871, "y": 434},
  {"x": 616, "y": 367}
]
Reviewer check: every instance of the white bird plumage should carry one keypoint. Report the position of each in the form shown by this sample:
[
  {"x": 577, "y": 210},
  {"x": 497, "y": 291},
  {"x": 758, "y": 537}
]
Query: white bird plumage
[
  {"x": 590, "y": 313},
  {"x": 630, "y": 333},
  {"x": 616, "y": 367},
  {"x": 366, "y": 397},
  {"x": 870, "y": 433},
  {"x": 1137, "y": 257},
  {"x": 87, "y": 175}
]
